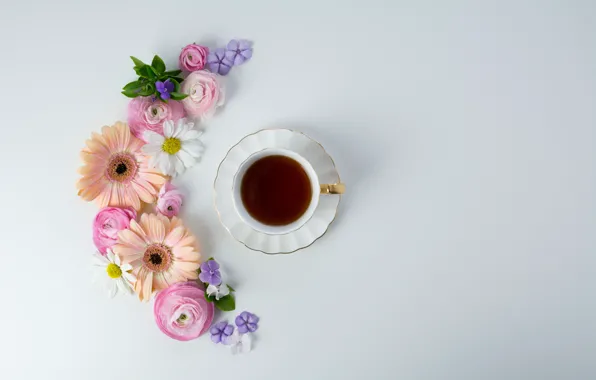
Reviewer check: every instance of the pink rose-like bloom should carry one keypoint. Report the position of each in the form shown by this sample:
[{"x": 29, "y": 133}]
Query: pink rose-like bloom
[
  {"x": 169, "y": 200},
  {"x": 205, "y": 93},
  {"x": 146, "y": 114},
  {"x": 108, "y": 222},
  {"x": 182, "y": 312},
  {"x": 193, "y": 57}
]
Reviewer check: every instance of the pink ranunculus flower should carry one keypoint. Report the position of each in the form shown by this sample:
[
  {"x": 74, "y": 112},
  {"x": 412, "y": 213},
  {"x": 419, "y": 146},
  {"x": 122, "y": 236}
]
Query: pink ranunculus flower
[
  {"x": 182, "y": 312},
  {"x": 147, "y": 114},
  {"x": 108, "y": 222},
  {"x": 193, "y": 57},
  {"x": 169, "y": 200},
  {"x": 205, "y": 93}
]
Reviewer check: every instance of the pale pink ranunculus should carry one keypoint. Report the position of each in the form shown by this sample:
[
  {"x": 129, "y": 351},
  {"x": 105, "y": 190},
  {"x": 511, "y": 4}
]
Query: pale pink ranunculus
[
  {"x": 147, "y": 114},
  {"x": 108, "y": 222},
  {"x": 169, "y": 200},
  {"x": 182, "y": 312},
  {"x": 205, "y": 93},
  {"x": 193, "y": 57}
]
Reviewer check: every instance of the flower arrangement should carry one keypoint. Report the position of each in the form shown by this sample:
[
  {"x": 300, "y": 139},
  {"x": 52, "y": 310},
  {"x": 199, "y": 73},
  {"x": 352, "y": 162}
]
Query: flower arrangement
[{"x": 143, "y": 247}]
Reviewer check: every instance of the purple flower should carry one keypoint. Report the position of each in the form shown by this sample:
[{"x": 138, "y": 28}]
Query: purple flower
[
  {"x": 218, "y": 63},
  {"x": 247, "y": 322},
  {"x": 164, "y": 88},
  {"x": 221, "y": 332},
  {"x": 210, "y": 273},
  {"x": 238, "y": 52}
]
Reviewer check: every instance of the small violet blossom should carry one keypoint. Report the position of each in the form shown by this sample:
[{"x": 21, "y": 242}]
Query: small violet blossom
[
  {"x": 218, "y": 63},
  {"x": 247, "y": 322},
  {"x": 238, "y": 52},
  {"x": 164, "y": 88},
  {"x": 221, "y": 332},
  {"x": 210, "y": 273}
]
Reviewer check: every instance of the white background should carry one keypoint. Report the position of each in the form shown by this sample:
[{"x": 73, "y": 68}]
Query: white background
[{"x": 465, "y": 130}]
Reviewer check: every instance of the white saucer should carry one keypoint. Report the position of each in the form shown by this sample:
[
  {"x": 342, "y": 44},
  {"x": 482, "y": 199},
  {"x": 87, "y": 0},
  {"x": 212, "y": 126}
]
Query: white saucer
[{"x": 285, "y": 139}]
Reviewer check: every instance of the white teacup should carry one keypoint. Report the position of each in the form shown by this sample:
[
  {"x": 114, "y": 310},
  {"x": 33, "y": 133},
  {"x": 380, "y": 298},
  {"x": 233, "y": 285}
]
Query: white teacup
[{"x": 317, "y": 190}]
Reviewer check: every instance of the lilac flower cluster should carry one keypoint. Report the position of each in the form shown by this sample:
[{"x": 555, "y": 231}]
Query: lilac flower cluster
[
  {"x": 221, "y": 60},
  {"x": 223, "y": 332}
]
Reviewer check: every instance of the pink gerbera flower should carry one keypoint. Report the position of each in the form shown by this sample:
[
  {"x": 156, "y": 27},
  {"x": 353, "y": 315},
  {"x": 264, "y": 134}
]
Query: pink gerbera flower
[
  {"x": 161, "y": 251},
  {"x": 115, "y": 170}
]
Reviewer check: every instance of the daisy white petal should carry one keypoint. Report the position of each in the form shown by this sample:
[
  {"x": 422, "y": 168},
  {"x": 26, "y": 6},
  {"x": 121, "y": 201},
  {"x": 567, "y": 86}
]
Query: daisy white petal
[
  {"x": 99, "y": 260},
  {"x": 131, "y": 278},
  {"x": 186, "y": 158},
  {"x": 126, "y": 267},
  {"x": 110, "y": 255},
  {"x": 168, "y": 128},
  {"x": 153, "y": 138},
  {"x": 112, "y": 289},
  {"x": 151, "y": 149},
  {"x": 191, "y": 135},
  {"x": 193, "y": 147},
  {"x": 179, "y": 166},
  {"x": 120, "y": 283}
]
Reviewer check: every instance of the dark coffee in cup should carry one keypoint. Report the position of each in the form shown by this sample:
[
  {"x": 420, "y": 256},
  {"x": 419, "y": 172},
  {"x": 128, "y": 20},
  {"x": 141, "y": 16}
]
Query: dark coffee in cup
[{"x": 276, "y": 190}]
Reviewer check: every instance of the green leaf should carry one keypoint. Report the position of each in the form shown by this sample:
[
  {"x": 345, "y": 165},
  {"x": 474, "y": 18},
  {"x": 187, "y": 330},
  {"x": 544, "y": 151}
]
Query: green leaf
[
  {"x": 172, "y": 73},
  {"x": 130, "y": 93},
  {"x": 147, "y": 90},
  {"x": 177, "y": 95},
  {"x": 176, "y": 86},
  {"x": 151, "y": 72},
  {"x": 226, "y": 303},
  {"x": 158, "y": 64},
  {"x": 231, "y": 289},
  {"x": 209, "y": 299},
  {"x": 133, "y": 85},
  {"x": 143, "y": 71},
  {"x": 177, "y": 80},
  {"x": 138, "y": 62}
]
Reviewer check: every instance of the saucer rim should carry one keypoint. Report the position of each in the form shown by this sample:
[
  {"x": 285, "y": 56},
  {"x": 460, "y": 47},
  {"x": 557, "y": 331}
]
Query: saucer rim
[{"x": 258, "y": 232}]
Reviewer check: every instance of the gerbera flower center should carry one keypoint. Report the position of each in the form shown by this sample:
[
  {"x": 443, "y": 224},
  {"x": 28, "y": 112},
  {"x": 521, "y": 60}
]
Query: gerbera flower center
[
  {"x": 171, "y": 145},
  {"x": 157, "y": 257},
  {"x": 114, "y": 270},
  {"x": 121, "y": 167}
]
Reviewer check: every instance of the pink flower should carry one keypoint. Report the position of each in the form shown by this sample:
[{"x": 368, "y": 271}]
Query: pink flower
[
  {"x": 205, "y": 94},
  {"x": 146, "y": 114},
  {"x": 182, "y": 312},
  {"x": 169, "y": 200},
  {"x": 193, "y": 57},
  {"x": 108, "y": 222}
]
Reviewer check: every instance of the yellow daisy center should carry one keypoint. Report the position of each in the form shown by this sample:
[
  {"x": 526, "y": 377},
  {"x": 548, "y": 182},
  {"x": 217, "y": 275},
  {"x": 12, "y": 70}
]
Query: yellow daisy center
[
  {"x": 114, "y": 270},
  {"x": 171, "y": 145}
]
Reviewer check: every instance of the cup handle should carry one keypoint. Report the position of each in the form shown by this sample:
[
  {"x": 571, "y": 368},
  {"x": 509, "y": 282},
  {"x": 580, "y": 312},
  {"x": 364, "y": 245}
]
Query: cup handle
[{"x": 334, "y": 188}]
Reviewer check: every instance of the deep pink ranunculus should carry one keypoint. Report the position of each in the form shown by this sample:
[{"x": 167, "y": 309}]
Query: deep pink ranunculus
[
  {"x": 182, "y": 312},
  {"x": 193, "y": 57},
  {"x": 108, "y": 222},
  {"x": 148, "y": 114}
]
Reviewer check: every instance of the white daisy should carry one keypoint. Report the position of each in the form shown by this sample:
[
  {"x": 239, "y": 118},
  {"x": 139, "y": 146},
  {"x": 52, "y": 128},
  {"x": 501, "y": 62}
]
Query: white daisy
[
  {"x": 113, "y": 273},
  {"x": 218, "y": 291},
  {"x": 179, "y": 147}
]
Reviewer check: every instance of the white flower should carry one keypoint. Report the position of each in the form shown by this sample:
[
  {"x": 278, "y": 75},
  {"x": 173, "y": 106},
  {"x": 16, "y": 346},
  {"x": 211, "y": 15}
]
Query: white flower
[
  {"x": 240, "y": 343},
  {"x": 113, "y": 274},
  {"x": 179, "y": 147},
  {"x": 218, "y": 291}
]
